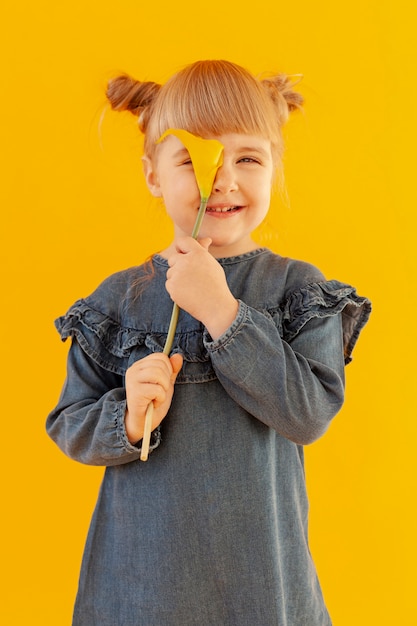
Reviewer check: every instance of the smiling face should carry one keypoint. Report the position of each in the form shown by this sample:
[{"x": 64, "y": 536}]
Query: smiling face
[{"x": 240, "y": 196}]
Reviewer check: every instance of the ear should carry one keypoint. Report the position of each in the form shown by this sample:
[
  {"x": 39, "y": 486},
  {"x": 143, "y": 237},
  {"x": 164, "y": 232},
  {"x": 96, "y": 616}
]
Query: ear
[{"x": 151, "y": 177}]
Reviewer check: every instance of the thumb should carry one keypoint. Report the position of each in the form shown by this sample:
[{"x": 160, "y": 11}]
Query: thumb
[
  {"x": 205, "y": 242},
  {"x": 176, "y": 364}
]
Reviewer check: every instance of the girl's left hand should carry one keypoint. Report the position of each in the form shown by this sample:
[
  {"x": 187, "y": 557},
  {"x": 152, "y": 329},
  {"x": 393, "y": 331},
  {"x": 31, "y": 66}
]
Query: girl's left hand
[{"x": 197, "y": 283}]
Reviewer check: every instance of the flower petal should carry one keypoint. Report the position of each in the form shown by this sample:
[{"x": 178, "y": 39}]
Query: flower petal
[{"x": 206, "y": 156}]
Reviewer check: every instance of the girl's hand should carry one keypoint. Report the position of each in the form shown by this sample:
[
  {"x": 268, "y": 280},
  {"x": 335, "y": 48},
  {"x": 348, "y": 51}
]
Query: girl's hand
[
  {"x": 149, "y": 380},
  {"x": 197, "y": 283}
]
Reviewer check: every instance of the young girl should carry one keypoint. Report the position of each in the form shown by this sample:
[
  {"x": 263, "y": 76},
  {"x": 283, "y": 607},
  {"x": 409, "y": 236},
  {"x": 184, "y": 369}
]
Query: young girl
[{"x": 212, "y": 529}]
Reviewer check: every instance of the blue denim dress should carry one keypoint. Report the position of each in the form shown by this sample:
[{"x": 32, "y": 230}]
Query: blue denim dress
[{"x": 212, "y": 529}]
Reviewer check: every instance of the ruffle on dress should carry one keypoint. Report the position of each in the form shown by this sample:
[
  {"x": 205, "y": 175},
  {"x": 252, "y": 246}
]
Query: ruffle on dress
[
  {"x": 111, "y": 345},
  {"x": 115, "y": 347},
  {"x": 101, "y": 337},
  {"x": 319, "y": 300}
]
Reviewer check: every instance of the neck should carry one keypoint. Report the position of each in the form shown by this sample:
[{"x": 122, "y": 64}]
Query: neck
[{"x": 218, "y": 252}]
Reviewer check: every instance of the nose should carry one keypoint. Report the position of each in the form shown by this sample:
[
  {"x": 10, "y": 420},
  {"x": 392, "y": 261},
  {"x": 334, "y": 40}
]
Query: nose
[{"x": 225, "y": 180}]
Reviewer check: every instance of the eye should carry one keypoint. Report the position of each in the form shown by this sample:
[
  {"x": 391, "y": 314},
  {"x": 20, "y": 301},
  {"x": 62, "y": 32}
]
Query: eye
[{"x": 249, "y": 160}]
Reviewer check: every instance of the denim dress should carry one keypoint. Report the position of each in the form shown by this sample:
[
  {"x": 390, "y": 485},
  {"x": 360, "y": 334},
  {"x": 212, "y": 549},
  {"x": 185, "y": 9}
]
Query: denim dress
[{"x": 212, "y": 529}]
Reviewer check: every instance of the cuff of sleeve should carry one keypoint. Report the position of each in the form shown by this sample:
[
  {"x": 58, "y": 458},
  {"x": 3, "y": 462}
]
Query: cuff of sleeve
[
  {"x": 121, "y": 431},
  {"x": 230, "y": 333}
]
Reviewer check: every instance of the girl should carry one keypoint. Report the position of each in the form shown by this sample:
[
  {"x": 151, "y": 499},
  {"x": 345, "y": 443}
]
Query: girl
[{"x": 212, "y": 530}]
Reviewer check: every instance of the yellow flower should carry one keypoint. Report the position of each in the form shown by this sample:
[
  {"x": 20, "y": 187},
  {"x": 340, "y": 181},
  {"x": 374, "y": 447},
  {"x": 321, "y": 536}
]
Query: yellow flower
[{"x": 206, "y": 156}]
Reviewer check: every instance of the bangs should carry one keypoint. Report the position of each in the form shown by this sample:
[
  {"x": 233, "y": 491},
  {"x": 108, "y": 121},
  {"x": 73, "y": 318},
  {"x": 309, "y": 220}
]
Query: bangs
[{"x": 213, "y": 98}]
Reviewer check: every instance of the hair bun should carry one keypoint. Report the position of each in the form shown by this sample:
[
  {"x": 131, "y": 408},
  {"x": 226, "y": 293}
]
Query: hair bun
[
  {"x": 281, "y": 91},
  {"x": 128, "y": 94}
]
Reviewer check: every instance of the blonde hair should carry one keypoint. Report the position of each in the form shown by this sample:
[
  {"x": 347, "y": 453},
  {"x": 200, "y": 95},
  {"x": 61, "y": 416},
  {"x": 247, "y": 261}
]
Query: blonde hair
[{"x": 209, "y": 98}]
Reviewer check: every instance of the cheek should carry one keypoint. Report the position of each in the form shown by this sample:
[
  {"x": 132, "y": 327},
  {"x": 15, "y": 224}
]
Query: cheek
[
  {"x": 180, "y": 189},
  {"x": 264, "y": 196},
  {"x": 264, "y": 201}
]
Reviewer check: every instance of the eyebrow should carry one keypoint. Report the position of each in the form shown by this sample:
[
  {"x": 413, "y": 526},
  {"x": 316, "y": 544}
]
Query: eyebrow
[
  {"x": 181, "y": 153},
  {"x": 184, "y": 152},
  {"x": 260, "y": 151}
]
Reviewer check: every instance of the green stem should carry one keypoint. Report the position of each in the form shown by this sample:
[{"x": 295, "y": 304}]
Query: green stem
[
  {"x": 171, "y": 330},
  {"x": 175, "y": 310},
  {"x": 199, "y": 218}
]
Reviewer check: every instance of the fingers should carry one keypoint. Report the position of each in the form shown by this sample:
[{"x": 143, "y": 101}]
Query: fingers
[
  {"x": 153, "y": 372},
  {"x": 184, "y": 245},
  {"x": 205, "y": 243},
  {"x": 150, "y": 378},
  {"x": 176, "y": 361}
]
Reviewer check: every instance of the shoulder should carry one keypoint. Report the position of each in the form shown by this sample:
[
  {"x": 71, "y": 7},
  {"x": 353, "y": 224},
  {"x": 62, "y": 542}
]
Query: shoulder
[
  {"x": 272, "y": 277},
  {"x": 295, "y": 272},
  {"x": 120, "y": 289},
  {"x": 99, "y": 324},
  {"x": 118, "y": 282}
]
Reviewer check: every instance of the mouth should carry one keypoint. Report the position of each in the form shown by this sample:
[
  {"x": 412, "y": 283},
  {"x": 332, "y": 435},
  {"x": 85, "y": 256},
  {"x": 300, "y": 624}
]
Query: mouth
[{"x": 223, "y": 209}]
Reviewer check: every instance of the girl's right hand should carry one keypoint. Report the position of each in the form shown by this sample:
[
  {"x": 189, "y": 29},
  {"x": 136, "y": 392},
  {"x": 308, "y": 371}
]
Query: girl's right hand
[{"x": 148, "y": 380}]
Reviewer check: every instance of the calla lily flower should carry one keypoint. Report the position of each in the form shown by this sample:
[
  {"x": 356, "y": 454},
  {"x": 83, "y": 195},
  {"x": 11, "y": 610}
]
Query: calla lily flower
[{"x": 206, "y": 156}]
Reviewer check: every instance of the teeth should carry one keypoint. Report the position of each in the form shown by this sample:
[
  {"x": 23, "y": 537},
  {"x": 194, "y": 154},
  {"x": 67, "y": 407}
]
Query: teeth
[{"x": 221, "y": 210}]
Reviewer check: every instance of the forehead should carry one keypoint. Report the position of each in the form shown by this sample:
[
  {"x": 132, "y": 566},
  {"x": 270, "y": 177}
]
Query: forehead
[{"x": 237, "y": 142}]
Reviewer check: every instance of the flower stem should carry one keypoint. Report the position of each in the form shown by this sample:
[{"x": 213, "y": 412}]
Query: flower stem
[
  {"x": 171, "y": 330},
  {"x": 176, "y": 309},
  {"x": 169, "y": 341},
  {"x": 199, "y": 218}
]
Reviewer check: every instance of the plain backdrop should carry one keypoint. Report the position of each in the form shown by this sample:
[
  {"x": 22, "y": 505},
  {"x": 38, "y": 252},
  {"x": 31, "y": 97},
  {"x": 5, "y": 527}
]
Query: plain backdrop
[{"x": 74, "y": 209}]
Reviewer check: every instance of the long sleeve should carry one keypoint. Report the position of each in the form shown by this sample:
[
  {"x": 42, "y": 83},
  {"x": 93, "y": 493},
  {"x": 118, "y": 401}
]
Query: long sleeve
[
  {"x": 295, "y": 388},
  {"x": 285, "y": 364},
  {"x": 88, "y": 422}
]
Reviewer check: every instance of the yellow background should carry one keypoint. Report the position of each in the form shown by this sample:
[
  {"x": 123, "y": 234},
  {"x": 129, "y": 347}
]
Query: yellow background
[{"x": 74, "y": 209}]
